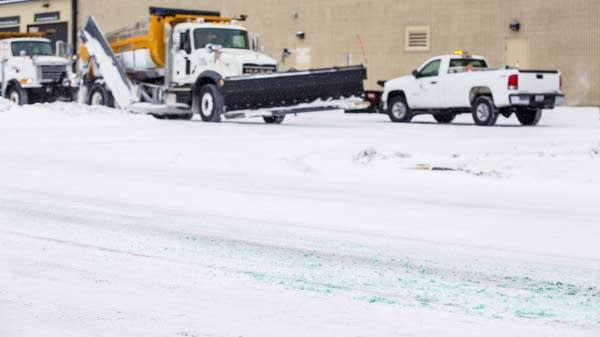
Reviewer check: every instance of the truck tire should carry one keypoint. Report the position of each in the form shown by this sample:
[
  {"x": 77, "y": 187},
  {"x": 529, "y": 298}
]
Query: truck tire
[
  {"x": 398, "y": 110},
  {"x": 274, "y": 119},
  {"x": 17, "y": 95},
  {"x": 99, "y": 95},
  {"x": 210, "y": 103},
  {"x": 529, "y": 117},
  {"x": 444, "y": 118},
  {"x": 484, "y": 111}
]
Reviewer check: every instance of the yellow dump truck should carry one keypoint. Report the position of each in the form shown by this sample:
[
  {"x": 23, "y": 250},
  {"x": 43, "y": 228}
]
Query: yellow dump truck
[{"x": 180, "y": 62}]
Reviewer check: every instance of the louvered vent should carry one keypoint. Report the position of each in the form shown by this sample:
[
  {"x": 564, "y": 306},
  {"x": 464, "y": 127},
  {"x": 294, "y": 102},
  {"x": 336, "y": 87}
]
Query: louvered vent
[{"x": 417, "y": 38}]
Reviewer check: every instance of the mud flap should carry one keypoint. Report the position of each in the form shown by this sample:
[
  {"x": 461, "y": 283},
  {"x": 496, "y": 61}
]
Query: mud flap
[{"x": 287, "y": 89}]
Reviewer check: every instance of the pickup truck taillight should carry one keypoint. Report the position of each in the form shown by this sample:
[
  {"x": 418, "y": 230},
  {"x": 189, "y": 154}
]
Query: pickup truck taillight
[
  {"x": 560, "y": 82},
  {"x": 513, "y": 82}
]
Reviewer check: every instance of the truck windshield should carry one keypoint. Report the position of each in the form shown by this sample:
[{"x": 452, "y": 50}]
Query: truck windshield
[
  {"x": 227, "y": 38},
  {"x": 31, "y": 48}
]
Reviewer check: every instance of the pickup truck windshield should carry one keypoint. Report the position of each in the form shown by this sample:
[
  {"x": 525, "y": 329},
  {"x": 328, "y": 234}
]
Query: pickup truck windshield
[
  {"x": 227, "y": 38},
  {"x": 31, "y": 48}
]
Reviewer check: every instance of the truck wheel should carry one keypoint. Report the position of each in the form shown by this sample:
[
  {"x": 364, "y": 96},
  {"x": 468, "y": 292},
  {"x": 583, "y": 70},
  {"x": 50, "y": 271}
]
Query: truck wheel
[
  {"x": 398, "y": 110},
  {"x": 210, "y": 102},
  {"x": 444, "y": 119},
  {"x": 17, "y": 95},
  {"x": 529, "y": 117},
  {"x": 484, "y": 111},
  {"x": 274, "y": 119},
  {"x": 99, "y": 95}
]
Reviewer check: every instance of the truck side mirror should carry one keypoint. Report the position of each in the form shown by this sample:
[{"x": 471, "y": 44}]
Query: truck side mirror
[
  {"x": 256, "y": 43},
  {"x": 415, "y": 74},
  {"x": 176, "y": 41},
  {"x": 63, "y": 49}
]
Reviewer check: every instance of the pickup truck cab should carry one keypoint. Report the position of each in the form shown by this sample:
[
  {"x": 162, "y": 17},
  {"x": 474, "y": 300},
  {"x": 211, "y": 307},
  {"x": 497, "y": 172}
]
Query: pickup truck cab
[{"x": 447, "y": 85}]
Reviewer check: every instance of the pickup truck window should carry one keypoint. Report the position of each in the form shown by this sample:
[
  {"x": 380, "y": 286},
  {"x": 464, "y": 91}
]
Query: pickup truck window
[
  {"x": 31, "y": 48},
  {"x": 468, "y": 62},
  {"x": 431, "y": 69},
  {"x": 465, "y": 65}
]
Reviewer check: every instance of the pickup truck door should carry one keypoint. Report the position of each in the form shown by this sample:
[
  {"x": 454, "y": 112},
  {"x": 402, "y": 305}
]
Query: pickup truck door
[{"x": 426, "y": 92}]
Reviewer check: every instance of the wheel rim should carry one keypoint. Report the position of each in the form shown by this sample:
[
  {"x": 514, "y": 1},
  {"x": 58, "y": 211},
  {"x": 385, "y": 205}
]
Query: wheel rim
[
  {"x": 97, "y": 98},
  {"x": 15, "y": 97},
  {"x": 399, "y": 110},
  {"x": 483, "y": 112},
  {"x": 207, "y": 104}
]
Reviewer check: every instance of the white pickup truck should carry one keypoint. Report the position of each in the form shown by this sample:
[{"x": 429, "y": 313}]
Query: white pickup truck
[{"x": 447, "y": 85}]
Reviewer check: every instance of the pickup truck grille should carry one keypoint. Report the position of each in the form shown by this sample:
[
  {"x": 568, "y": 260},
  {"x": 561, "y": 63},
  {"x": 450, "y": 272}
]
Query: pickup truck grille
[
  {"x": 52, "y": 73},
  {"x": 259, "y": 69}
]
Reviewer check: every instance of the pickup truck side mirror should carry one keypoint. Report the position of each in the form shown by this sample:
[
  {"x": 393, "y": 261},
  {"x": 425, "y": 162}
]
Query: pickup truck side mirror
[{"x": 415, "y": 74}]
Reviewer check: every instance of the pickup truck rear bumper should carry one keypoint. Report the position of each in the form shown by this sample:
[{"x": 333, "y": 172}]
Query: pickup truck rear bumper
[{"x": 537, "y": 100}]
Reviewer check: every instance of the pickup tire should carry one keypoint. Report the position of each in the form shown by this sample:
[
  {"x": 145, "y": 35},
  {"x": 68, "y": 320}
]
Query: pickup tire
[
  {"x": 398, "y": 110},
  {"x": 484, "y": 111},
  {"x": 274, "y": 119},
  {"x": 99, "y": 95},
  {"x": 529, "y": 117},
  {"x": 17, "y": 95},
  {"x": 444, "y": 118},
  {"x": 210, "y": 103}
]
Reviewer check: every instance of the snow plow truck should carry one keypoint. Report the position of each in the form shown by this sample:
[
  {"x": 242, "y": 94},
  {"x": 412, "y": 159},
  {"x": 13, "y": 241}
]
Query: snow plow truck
[{"x": 181, "y": 62}]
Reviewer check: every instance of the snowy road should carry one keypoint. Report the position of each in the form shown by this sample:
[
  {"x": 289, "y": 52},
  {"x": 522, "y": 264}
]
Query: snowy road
[{"x": 120, "y": 225}]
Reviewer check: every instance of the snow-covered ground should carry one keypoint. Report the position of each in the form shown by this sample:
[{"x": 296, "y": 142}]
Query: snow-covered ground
[{"x": 114, "y": 224}]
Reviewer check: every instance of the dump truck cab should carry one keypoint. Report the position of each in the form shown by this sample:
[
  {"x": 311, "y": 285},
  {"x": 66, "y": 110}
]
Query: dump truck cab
[
  {"x": 31, "y": 72},
  {"x": 221, "y": 48}
]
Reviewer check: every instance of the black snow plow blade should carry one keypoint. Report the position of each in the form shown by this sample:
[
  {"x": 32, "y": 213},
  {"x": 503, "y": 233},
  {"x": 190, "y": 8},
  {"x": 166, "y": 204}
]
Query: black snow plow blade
[{"x": 291, "y": 88}]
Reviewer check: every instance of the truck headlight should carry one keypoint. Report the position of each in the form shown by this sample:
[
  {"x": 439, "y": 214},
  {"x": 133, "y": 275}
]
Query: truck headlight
[{"x": 25, "y": 81}]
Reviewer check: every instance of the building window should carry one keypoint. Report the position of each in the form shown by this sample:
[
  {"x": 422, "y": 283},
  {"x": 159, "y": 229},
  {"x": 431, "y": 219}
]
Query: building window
[{"x": 417, "y": 38}]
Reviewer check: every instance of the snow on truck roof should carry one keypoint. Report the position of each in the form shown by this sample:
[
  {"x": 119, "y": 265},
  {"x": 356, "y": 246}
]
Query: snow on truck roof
[{"x": 20, "y": 39}]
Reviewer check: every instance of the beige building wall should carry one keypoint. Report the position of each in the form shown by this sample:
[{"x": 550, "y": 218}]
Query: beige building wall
[
  {"x": 28, "y": 9},
  {"x": 554, "y": 34}
]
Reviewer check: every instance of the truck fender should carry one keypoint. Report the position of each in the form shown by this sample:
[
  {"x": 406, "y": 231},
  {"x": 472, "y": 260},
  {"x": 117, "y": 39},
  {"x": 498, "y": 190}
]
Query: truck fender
[
  {"x": 479, "y": 91},
  {"x": 397, "y": 93},
  {"x": 208, "y": 77}
]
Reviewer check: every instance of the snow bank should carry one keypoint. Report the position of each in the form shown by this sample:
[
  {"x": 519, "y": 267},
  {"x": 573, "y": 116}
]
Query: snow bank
[{"x": 329, "y": 224}]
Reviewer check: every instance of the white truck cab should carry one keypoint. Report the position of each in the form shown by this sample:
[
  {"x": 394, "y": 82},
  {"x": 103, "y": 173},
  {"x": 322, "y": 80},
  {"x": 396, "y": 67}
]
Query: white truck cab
[
  {"x": 225, "y": 49},
  {"x": 462, "y": 83},
  {"x": 30, "y": 72}
]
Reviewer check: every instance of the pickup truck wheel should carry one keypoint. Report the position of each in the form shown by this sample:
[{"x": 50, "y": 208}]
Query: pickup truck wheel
[
  {"x": 274, "y": 119},
  {"x": 210, "y": 103},
  {"x": 444, "y": 119},
  {"x": 17, "y": 95},
  {"x": 398, "y": 110},
  {"x": 484, "y": 111},
  {"x": 529, "y": 117},
  {"x": 99, "y": 95}
]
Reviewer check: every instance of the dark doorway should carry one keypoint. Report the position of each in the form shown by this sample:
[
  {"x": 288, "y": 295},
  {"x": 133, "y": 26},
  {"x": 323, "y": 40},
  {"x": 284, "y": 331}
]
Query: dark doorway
[
  {"x": 54, "y": 31},
  {"x": 9, "y": 30}
]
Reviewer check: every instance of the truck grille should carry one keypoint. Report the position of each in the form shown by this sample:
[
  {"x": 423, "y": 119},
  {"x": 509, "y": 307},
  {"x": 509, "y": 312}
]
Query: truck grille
[
  {"x": 52, "y": 73},
  {"x": 259, "y": 69}
]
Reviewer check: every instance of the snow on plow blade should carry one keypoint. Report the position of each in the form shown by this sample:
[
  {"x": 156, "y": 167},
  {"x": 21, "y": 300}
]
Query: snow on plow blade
[
  {"x": 291, "y": 88},
  {"x": 112, "y": 72}
]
